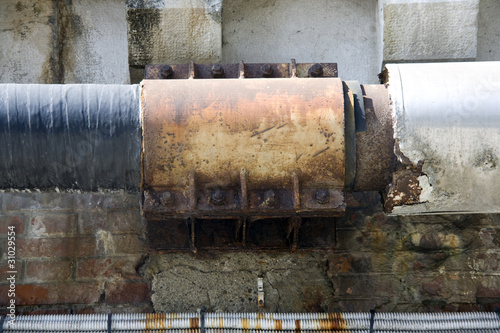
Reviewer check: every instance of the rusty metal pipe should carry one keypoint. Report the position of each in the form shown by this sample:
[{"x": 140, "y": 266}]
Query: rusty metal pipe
[
  {"x": 375, "y": 158},
  {"x": 268, "y": 147}
]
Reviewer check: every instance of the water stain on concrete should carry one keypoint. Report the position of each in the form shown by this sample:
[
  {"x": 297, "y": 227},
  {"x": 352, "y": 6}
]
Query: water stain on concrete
[{"x": 66, "y": 28}]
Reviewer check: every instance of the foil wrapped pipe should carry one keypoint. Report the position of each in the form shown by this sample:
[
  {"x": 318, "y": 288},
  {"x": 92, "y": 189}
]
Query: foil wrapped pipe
[{"x": 257, "y": 322}]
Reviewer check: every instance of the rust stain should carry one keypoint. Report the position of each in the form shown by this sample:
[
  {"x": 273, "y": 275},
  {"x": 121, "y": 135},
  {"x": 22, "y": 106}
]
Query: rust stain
[
  {"x": 155, "y": 321},
  {"x": 194, "y": 323},
  {"x": 278, "y": 325},
  {"x": 336, "y": 322},
  {"x": 405, "y": 188},
  {"x": 297, "y": 326},
  {"x": 245, "y": 324},
  {"x": 203, "y": 126},
  {"x": 261, "y": 315}
]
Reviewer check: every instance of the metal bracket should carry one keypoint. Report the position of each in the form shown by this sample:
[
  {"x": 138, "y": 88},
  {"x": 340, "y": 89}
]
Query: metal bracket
[
  {"x": 260, "y": 292},
  {"x": 240, "y": 70}
]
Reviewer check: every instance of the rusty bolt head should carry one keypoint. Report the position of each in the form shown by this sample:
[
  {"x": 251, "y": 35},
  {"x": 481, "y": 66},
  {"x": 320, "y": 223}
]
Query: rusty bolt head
[
  {"x": 316, "y": 70},
  {"x": 217, "y": 71},
  {"x": 266, "y": 70},
  {"x": 270, "y": 198},
  {"x": 218, "y": 197},
  {"x": 166, "y": 198},
  {"x": 166, "y": 72},
  {"x": 322, "y": 196}
]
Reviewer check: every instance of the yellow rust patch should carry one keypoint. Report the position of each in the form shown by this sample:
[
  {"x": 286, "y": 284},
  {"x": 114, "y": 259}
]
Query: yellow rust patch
[
  {"x": 336, "y": 322},
  {"x": 245, "y": 324},
  {"x": 278, "y": 324},
  {"x": 297, "y": 326},
  {"x": 194, "y": 323},
  {"x": 271, "y": 128},
  {"x": 155, "y": 321}
]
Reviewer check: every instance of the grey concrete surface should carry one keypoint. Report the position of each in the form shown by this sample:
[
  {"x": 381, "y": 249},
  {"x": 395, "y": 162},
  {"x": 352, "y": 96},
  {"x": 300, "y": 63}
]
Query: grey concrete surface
[
  {"x": 173, "y": 32},
  {"x": 228, "y": 282},
  {"x": 430, "y": 30},
  {"x": 83, "y": 41},
  {"x": 341, "y": 31},
  {"x": 488, "y": 35}
]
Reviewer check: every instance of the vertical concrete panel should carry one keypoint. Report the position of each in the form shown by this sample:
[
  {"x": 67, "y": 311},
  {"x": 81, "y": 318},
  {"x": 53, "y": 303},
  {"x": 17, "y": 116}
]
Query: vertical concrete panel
[
  {"x": 25, "y": 36},
  {"x": 339, "y": 31},
  {"x": 488, "y": 35},
  {"x": 430, "y": 30},
  {"x": 58, "y": 41},
  {"x": 101, "y": 47},
  {"x": 172, "y": 32}
]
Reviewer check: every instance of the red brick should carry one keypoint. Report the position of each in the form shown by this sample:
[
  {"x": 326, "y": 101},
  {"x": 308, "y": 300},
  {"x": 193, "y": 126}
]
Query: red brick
[
  {"x": 432, "y": 288},
  {"x": 7, "y": 221},
  {"x": 57, "y": 247},
  {"x": 114, "y": 221},
  {"x": 115, "y": 268},
  {"x": 4, "y": 268},
  {"x": 128, "y": 293},
  {"x": 48, "y": 270},
  {"x": 339, "y": 263},
  {"x": 53, "y": 225},
  {"x": 29, "y": 310},
  {"x": 488, "y": 291},
  {"x": 129, "y": 244},
  {"x": 60, "y": 293}
]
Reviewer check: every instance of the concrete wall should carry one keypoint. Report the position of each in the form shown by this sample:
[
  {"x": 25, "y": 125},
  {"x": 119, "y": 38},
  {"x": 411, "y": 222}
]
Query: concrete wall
[
  {"x": 488, "y": 35},
  {"x": 62, "y": 41},
  {"x": 338, "y": 31}
]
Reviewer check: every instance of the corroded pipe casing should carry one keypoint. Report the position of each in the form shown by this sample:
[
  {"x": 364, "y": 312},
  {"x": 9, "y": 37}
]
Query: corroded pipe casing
[
  {"x": 243, "y": 147},
  {"x": 375, "y": 159}
]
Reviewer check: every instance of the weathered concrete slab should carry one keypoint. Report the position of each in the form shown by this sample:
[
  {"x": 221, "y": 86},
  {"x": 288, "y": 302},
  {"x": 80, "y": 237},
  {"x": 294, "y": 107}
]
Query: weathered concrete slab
[
  {"x": 25, "y": 36},
  {"x": 168, "y": 31},
  {"x": 430, "y": 30},
  {"x": 341, "y": 31},
  {"x": 100, "y": 48},
  {"x": 488, "y": 35},
  {"x": 83, "y": 41}
]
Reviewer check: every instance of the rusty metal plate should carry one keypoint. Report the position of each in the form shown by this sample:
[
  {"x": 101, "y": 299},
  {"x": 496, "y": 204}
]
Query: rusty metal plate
[
  {"x": 251, "y": 71},
  {"x": 239, "y": 147}
]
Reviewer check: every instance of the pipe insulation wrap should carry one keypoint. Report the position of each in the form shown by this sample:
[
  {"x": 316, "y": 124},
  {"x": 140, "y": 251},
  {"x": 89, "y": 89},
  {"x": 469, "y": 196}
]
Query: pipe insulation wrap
[
  {"x": 259, "y": 322},
  {"x": 72, "y": 137},
  {"x": 447, "y": 125}
]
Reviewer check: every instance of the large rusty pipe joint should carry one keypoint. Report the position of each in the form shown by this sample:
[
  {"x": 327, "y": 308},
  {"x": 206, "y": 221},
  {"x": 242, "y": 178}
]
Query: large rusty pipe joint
[{"x": 264, "y": 140}]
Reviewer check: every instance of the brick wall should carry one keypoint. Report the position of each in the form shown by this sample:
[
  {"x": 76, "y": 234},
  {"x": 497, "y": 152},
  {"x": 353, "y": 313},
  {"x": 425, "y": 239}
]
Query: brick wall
[
  {"x": 415, "y": 263},
  {"x": 85, "y": 253},
  {"x": 75, "y": 252}
]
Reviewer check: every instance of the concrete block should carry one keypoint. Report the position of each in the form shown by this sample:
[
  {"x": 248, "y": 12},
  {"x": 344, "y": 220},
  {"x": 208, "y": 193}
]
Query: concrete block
[
  {"x": 25, "y": 36},
  {"x": 83, "y": 41},
  {"x": 100, "y": 47},
  {"x": 170, "y": 31},
  {"x": 488, "y": 35},
  {"x": 341, "y": 31},
  {"x": 430, "y": 30}
]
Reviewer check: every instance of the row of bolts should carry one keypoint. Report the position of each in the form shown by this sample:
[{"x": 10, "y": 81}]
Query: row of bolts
[
  {"x": 218, "y": 198},
  {"x": 217, "y": 71}
]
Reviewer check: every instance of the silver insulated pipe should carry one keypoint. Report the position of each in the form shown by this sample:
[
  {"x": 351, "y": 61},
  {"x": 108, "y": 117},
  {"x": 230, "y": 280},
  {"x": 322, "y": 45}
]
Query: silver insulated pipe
[{"x": 257, "y": 322}]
